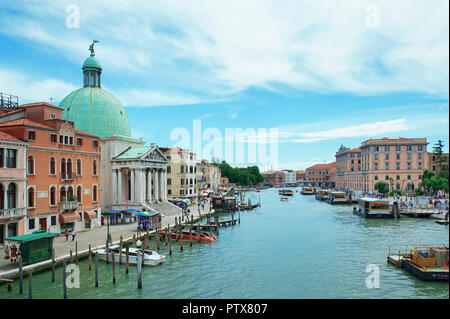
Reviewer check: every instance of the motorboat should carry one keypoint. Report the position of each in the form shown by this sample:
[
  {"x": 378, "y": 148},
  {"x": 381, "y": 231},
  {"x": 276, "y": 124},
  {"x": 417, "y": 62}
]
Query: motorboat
[
  {"x": 204, "y": 236},
  {"x": 307, "y": 191},
  {"x": 286, "y": 192},
  {"x": 151, "y": 258},
  {"x": 284, "y": 199}
]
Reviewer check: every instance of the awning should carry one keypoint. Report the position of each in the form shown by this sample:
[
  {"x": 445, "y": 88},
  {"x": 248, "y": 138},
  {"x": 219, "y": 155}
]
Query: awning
[
  {"x": 147, "y": 214},
  {"x": 69, "y": 217},
  {"x": 111, "y": 212},
  {"x": 130, "y": 211},
  {"x": 30, "y": 237},
  {"x": 90, "y": 215}
]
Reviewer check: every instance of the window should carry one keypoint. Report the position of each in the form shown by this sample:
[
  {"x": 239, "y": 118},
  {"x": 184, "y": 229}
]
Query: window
[
  {"x": 376, "y": 177},
  {"x": 386, "y": 165},
  {"x": 376, "y": 166},
  {"x": 182, "y": 169},
  {"x": 387, "y": 148},
  {"x": 419, "y": 155},
  {"x": 79, "y": 167},
  {"x": 397, "y": 165},
  {"x": 387, "y": 177},
  {"x": 398, "y": 148},
  {"x": 79, "y": 141},
  {"x": 409, "y": 156},
  {"x": 169, "y": 169},
  {"x": 398, "y": 177},
  {"x": 376, "y": 157},
  {"x": 11, "y": 158},
  {"x": 420, "y": 148},
  {"x": 52, "y": 196},
  {"x": 386, "y": 157},
  {"x": 30, "y": 164},
  {"x": 31, "y": 224},
  {"x": 169, "y": 192},
  {"x": 94, "y": 168},
  {"x": 376, "y": 148},
  {"x": 169, "y": 181},
  {"x": 409, "y": 177},
  {"x": 420, "y": 177},
  {"x": 95, "y": 144},
  {"x": 53, "y": 221},
  {"x": 61, "y": 139},
  {"x": 409, "y": 148},
  {"x": 409, "y": 165},
  {"x": 71, "y": 140},
  {"x": 52, "y": 166},
  {"x": 419, "y": 165},
  {"x": 66, "y": 140},
  {"x": 182, "y": 181},
  {"x": 32, "y": 135},
  {"x": 79, "y": 193},
  {"x": 94, "y": 193},
  {"x": 53, "y": 138},
  {"x": 397, "y": 156},
  {"x": 31, "y": 197},
  {"x": 2, "y": 153}
]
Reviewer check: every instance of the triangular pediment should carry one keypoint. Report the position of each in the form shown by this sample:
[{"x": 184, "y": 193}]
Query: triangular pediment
[{"x": 154, "y": 154}]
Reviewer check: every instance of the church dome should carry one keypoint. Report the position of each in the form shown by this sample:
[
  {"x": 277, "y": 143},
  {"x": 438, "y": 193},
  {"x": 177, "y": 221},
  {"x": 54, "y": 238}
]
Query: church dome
[{"x": 92, "y": 109}]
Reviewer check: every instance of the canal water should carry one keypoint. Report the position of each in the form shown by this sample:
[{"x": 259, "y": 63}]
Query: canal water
[{"x": 297, "y": 249}]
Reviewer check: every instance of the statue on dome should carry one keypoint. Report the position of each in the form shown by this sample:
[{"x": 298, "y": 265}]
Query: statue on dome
[{"x": 91, "y": 47}]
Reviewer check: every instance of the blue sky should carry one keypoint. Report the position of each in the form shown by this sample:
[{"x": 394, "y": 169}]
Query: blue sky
[{"x": 322, "y": 73}]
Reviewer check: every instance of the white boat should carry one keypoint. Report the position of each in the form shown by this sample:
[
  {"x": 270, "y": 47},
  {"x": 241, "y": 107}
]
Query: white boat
[
  {"x": 284, "y": 199},
  {"x": 151, "y": 258}
]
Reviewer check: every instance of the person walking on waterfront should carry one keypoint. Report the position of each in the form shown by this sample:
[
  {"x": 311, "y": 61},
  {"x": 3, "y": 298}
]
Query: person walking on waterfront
[
  {"x": 73, "y": 235},
  {"x": 66, "y": 233}
]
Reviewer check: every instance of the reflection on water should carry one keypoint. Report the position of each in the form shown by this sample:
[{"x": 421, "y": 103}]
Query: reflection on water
[{"x": 302, "y": 248}]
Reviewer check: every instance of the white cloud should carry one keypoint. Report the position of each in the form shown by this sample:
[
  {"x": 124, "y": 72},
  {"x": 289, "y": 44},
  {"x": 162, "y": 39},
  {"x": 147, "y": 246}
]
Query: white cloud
[{"x": 218, "y": 48}]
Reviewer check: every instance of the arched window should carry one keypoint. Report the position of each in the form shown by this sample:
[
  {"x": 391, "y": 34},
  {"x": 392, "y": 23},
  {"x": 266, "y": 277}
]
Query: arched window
[
  {"x": 12, "y": 195},
  {"x": 94, "y": 168},
  {"x": 69, "y": 168},
  {"x": 79, "y": 167},
  {"x": 30, "y": 164},
  {"x": 79, "y": 191},
  {"x": 63, "y": 168},
  {"x": 62, "y": 194},
  {"x": 31, "y": 197},
  {"x": 53, "y": 195},
  {"x": 94, "y": 193},
  {"x": 70, "y": 194},
  {"x": 52, "y": 166}
]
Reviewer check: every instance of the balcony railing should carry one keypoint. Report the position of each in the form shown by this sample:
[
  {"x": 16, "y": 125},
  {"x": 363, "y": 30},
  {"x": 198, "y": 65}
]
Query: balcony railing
[
  {"x": 67, "y": 176},
  {"x": 68, "y": 205},
  {"x": 12, "y": 212}
]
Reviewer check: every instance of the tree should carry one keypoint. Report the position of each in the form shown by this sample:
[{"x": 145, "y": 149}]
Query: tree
[
  {"x": 438, "y": 151},
  {"x": 381, "y": 187}
]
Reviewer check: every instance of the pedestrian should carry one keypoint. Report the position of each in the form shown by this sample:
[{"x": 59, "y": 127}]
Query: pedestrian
[
  {"x": 73, "y": 235},
  {"x": 66, "y": 233}
]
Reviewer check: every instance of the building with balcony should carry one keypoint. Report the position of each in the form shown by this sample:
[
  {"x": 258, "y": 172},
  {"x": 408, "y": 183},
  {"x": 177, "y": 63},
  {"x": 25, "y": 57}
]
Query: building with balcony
[
  {"x": 208, "y": 177},
  {"x": 399, "y": 162},
  {"x": 13, "y": 182},
  {"x": 348, "y": 168},
  {"x": 62, "y": 169}
]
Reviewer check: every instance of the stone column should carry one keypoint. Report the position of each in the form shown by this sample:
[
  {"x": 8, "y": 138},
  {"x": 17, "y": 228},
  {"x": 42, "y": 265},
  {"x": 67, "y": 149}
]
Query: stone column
[
  {"x": 157, "y": 184},
  {"x": 114, "y": 186},
  {"x": 165, "y": 185},
  {"x": 132, "y": 186},
  {"x": 138, "y": 186},
  {"x": 149, "y": 185},
  {"x": 119, "y": 186}
]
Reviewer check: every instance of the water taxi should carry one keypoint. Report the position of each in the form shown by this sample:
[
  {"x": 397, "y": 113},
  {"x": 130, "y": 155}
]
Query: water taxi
[
  {"x": 284, "y": 199},
  {"x": 204, "y": 236},
  {"x": 428, "y": 263},
  {"x": 307, "y": 191},
  {"x": 337, "y": 198},
  {"x": 286, "y": 192},
  {"x": 373, "y": 208},
  {"x": 323, "y": 194},
  {"x": 151, "y": 258}
]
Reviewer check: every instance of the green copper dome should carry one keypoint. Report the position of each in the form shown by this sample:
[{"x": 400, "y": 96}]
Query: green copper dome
[
  {"x": 92, "y": 109},
  {"x": 96, "y": 111}
]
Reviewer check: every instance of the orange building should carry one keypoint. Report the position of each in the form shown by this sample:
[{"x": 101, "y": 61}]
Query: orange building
[
  {"x": 348, "y": 168},
  {"x": 322, "y": 175},
  {"x": 62, "y": 169}
]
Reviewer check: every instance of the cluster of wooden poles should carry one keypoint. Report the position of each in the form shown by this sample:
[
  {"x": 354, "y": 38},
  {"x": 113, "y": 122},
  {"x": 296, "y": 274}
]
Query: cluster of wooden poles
[{"x": 180, "y": 224}]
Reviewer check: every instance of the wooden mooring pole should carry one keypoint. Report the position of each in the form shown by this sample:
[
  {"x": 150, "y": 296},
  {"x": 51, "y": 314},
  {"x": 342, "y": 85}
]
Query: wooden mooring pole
[
  {"x": 170, "y": 242},
  {"x": 120, "y": 250},
  {"x": 127, "y": 258},
  {"x": 114, "y": 267},
  {"x": 30, "y": 284},
  {"x": 96, "y": 269},
  {"x": 107, "y": 251},
  {"x": 139, "y": 270},
  {"x": 64, "y": 281},
  {"x": 20, "y": 275},
  {"x": 90, "y": 257},
  {"x": 76, "y": 253}
]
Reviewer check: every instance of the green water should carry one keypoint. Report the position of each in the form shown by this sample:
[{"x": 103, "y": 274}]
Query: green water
[{"x": 297, "y": 249}]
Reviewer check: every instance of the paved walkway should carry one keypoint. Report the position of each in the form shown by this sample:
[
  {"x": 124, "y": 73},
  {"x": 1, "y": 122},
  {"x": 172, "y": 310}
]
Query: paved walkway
[{"x": 97, "y": 237}]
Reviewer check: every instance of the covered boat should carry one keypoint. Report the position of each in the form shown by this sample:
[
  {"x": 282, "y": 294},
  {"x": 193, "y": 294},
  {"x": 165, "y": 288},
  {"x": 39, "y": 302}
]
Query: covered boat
[
  {"x": 204, "y": 236},
  {"x": 151, "y": 258},
  {"x": 373, "y": 208},
  {"x": 307, "y": 191},
  {"x": 337, "y": 198}
]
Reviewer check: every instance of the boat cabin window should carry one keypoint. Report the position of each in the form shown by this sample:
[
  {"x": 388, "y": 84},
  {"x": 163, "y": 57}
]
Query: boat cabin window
[{"x": 380, "y": 206}]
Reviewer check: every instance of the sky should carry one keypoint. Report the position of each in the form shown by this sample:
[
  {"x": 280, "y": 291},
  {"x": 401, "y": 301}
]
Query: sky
[{"x": 311, "y": 75}]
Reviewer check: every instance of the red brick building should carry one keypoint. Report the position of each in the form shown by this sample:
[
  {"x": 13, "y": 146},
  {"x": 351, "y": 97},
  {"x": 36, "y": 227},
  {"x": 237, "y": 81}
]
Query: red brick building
[
  {"x": 62, "y": 168},
  {"x": 322, "y": 175}
]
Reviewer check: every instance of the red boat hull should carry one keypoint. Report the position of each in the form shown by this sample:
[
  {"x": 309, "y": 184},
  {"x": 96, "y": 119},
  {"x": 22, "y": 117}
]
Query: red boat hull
[{"x": 203, "y": 236}]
